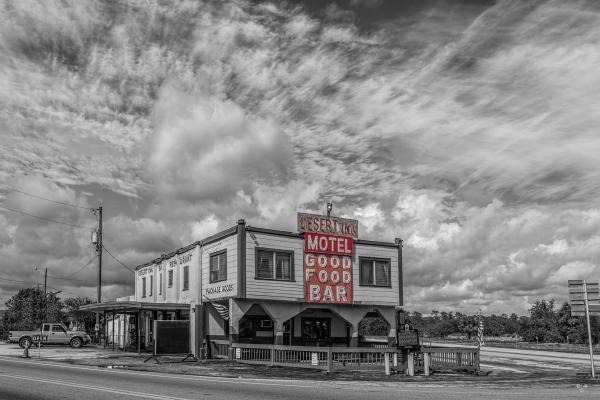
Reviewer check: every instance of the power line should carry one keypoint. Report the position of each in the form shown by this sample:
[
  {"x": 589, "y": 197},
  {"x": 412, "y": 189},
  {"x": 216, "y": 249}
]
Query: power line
[
  {"x": 37, "y": 283},
  {"x": 82, "y": 268},
  {"x": 44, "y": 219},
  {"x": 117, "y": 260},
  {"x": 60, "y": 278},
  {"x": 50, "y": 200}
]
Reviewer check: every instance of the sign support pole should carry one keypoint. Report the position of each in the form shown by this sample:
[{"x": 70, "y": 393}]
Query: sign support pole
[{"x": 587, "y": 317}]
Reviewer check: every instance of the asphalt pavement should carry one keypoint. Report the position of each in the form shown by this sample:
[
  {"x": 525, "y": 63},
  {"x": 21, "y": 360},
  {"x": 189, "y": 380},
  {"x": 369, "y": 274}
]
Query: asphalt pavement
[{"x": 39, "y": 379}]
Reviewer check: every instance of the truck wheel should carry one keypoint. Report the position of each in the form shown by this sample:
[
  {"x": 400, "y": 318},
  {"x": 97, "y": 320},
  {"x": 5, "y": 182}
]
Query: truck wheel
[
  {"x": 76, "y": 343},
  {"x": 25, "y": 342}
]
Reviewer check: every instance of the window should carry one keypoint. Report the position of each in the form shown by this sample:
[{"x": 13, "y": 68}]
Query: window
[
  {"x": 143, "y": 287},
  {"x": 274, "y": 264},
  {"x": 218, "y": 266},
  {"x": 151, "y": 284},
  {"x": 170, "y": 278},
  {"x": 186, "y": 277},
  {"x": 375, "y": 272},
  {"x": 160, "y": 283},
  {"x": 58, "y": 328}
]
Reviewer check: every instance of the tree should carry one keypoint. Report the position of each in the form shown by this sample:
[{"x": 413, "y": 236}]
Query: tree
[
  {"x": 30, "y": 307},
  {"x": 74, "y": 313},
  {"x": 572, "y": 329},
  {"x": 543, "y": 323}
]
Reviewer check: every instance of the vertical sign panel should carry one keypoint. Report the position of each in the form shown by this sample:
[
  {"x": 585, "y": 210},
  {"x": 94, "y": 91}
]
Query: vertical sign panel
[{"x": 327, "y": 278}]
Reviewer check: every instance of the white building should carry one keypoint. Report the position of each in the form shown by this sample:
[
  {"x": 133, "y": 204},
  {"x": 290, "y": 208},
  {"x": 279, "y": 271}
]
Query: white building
[{"x": 251, "y": 285}]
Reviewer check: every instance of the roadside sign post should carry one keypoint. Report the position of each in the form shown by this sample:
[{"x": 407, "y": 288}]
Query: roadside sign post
[
  {"x": 585, "y": 301},
  {"x": 587, "y": 318}
]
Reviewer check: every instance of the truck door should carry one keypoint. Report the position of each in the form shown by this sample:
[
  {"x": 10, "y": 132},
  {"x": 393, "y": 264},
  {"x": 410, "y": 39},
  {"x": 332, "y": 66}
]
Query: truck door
[
  {"x": 46, "y": 333},
  {"x": 58, "y": 334}
]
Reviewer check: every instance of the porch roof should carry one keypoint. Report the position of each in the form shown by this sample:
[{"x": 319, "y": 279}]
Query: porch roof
[{"x": 134, "y": 306}]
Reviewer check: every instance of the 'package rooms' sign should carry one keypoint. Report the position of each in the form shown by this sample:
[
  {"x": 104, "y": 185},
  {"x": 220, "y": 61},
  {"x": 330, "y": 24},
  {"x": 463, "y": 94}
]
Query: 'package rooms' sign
[{"x": 327, "y": 260}]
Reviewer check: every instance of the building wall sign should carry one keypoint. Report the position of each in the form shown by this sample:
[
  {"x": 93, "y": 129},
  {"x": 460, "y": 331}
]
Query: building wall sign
[
  {"x": 328, "y": 268},
  {"x": 219, "y": 289},
  {"x": 328, "y": 244},
  {"x": 311, "y": 223},
  {"x": 327, "y": 279}
]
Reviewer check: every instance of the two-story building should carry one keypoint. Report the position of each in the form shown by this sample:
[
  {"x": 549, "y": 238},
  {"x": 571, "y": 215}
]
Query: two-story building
[{"x": 255, "y": 285}]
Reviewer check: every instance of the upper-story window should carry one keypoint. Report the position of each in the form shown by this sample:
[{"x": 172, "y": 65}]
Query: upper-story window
[
  {"x": 218, "y": 266},
  {"x": 143, "y": 287},
  {"x": 186, "y": 277},
  {"x": 160, "y": 283},
  {"x": 170, "y": 278},
  {"x": 275, "y": 264},
  {"x": 375, "y": 272},
  {"x": 151, "y": 285}
]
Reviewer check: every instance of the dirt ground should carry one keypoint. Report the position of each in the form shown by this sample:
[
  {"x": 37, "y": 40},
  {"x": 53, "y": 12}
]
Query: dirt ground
[{"x": 105, "y": 358}]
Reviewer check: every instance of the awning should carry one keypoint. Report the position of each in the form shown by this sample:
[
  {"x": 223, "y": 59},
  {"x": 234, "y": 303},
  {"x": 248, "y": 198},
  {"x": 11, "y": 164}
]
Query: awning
[{"x": 134, "y": 306}]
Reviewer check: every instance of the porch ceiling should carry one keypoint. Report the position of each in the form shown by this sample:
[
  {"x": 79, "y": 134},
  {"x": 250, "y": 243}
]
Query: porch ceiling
[{"x": 134, "y": 306}]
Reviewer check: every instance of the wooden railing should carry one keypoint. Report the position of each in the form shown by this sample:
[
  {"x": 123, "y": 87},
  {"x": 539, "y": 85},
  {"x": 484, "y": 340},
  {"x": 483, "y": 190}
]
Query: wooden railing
[
  {"x": 329, "y": 359},
  {"x": 323, "y": 358},
  {"x": 219, "y": 348},
  {"x": 448, "y": 358}
]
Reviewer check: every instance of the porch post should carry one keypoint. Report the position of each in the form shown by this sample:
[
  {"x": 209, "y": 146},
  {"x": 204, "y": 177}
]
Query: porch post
[
  {"x": 113, "y": 330},
  {"x": 353, "y": 335},
  {"x": 278, "y": 328},
  {"x": 139, "y": 331},
  {"x": 105, "y": 329}
]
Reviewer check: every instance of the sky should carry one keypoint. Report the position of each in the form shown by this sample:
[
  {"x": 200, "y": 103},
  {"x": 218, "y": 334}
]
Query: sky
[{"x": 467, "y": 128}]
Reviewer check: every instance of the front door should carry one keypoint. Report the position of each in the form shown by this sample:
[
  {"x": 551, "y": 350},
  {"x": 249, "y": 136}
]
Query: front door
[{"x": 58, "y": 335}]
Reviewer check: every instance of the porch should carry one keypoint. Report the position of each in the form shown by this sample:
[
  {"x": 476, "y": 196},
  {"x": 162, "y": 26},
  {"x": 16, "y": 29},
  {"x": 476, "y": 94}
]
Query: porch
[{"x": 128, "y": 326}]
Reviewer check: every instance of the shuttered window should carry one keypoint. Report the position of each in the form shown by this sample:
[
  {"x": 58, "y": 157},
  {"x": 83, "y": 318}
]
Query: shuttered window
[
  {"x": 170, "y": 278},
  {"x": 274, "y": 264},
  {"x": 143, "y": 287},
  {"x": 375, "y": 272},
  {"x": 218, "y": 266},
  {"x": 186, "y": 277},
  {"x": 151, "y": 285}
]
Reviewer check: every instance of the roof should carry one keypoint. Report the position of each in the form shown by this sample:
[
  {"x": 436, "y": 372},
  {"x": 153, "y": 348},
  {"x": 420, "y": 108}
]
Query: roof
[{"x": 134, "y": 306}]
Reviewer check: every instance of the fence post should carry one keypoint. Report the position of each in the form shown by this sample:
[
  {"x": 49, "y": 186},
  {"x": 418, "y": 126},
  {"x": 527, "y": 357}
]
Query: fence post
[
  {"x": 459, "y": 358},
  {"x": 386, "y": 362},
  {"x": 411, "y": 364},
  {"x": 476, "y": 357},
  {"x": 329, "y": 360},
  {"x": 426, "y": 362},
  {"x": 395, "y": 360},
  {"x": 273, "y": 356}
]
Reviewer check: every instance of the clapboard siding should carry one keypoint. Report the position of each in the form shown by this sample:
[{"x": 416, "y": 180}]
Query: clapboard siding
[
  {"x": 271, "y": 289},
  {"x": 229, "y": 244},
  {"x": 370, "y": 294},
  {"x": 294, "y": 291}
]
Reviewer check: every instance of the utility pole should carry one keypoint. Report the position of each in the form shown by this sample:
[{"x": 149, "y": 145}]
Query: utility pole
[
  {"x": 45, "y": 295},
  {"x": 97, "y": 240}
]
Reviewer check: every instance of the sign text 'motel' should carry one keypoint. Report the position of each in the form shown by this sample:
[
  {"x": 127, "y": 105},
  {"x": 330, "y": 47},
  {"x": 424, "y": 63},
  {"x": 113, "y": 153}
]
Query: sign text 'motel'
[{"x": 328, "y": 244}]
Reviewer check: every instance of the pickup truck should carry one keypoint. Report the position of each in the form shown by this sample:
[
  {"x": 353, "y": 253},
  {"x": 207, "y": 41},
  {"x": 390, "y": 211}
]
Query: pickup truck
[{"x": 50, "y": 333}]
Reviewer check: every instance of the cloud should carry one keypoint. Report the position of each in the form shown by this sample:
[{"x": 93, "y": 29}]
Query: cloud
[
  {"x": 466, "y": 128},
  {"x": 208, "y": 148}
]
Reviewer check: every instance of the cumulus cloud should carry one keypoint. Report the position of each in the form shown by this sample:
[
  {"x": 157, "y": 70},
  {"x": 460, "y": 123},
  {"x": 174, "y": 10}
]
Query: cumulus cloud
[
  {"x": 466, "y": 128},
  {"x": 208, "y": 148}
]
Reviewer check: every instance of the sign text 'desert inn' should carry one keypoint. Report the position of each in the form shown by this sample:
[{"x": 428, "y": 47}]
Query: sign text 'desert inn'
[{"x": 312, "y": 223}]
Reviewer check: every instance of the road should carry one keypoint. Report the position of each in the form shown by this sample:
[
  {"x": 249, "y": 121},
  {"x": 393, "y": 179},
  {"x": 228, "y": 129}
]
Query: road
[{"x": 25, "y": 379}]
